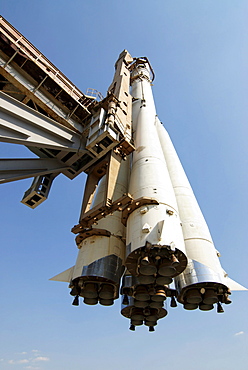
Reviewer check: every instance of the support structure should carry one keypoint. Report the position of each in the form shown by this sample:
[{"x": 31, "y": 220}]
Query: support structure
[{"x": 69, "y": 131}]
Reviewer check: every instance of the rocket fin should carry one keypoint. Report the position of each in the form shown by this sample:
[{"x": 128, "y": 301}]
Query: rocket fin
[
  {"x": 233, "y": 285},
  {"x": 64, "y": 276}
]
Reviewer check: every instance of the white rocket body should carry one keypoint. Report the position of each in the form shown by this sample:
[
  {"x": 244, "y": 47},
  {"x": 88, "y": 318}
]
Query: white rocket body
[
  {"x": 204, "y": 270},
  {"x": 153, "y": 225},
  {"x": 97, "y": 247},
  {"x": 100, "y": 262}
]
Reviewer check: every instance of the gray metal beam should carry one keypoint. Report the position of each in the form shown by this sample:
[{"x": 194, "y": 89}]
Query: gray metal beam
[
  {"x": 18, "y": 169},
  {"x": 20, "y": 124}
]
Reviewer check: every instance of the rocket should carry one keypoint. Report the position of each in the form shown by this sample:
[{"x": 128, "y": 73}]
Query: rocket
[
  {"x": 141, "y": 234},
  {"x": 154, "y": 236}
]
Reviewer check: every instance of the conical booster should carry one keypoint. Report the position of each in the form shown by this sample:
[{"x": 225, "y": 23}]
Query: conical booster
[
  {"x": 203, "y": 282},
  {"x": 100, "y": 262},
  {"x": 155, "y": 245}
]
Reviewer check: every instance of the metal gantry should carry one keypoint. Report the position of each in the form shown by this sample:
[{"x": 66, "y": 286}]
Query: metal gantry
[{"x": 67, "y": 130}]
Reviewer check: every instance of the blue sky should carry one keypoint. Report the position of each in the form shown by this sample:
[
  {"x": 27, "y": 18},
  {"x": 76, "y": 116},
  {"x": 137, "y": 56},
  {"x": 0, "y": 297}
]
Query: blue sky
[{"x": 199, "y": 52}]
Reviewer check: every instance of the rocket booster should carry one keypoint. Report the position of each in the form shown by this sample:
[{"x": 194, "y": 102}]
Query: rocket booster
[
  {"x": 100, "y": 262},
  {"x": 203, "y": 282}
]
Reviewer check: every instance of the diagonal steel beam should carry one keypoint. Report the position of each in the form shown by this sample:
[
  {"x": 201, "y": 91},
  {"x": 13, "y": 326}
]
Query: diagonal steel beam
[{"x": 20, "y": 124}]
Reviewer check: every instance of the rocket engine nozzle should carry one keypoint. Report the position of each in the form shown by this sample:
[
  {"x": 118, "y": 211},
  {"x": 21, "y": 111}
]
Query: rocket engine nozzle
[
  {"x": 156, "y": 263},
  {"x": 144, "y": 304}
]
